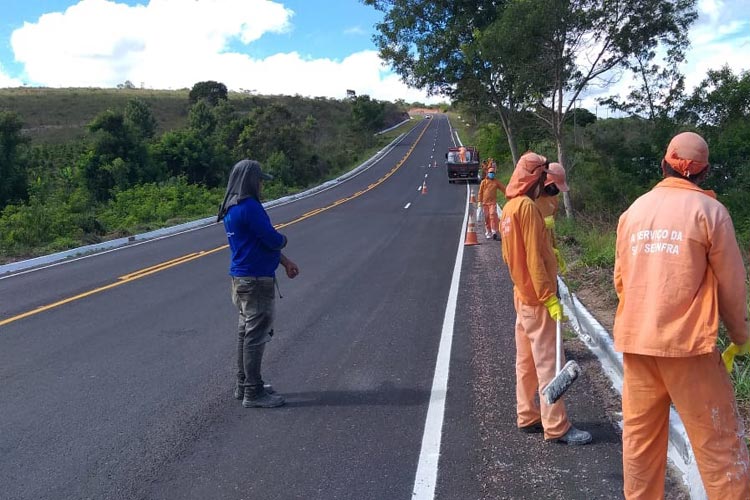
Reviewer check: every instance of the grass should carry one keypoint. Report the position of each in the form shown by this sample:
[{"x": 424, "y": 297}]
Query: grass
[{"x": 53, "y": 115}]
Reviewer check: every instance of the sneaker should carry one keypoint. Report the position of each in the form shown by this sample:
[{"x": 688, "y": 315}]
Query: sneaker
[
  {"x": 495, "y": 236},
  {"x": 534, "y": 428},
  {"x": 487, "y": 235},
  {"x": 575, "y": 437},
  {"x": 263, "y": 400},
  {"x": 239, "y": 392}
]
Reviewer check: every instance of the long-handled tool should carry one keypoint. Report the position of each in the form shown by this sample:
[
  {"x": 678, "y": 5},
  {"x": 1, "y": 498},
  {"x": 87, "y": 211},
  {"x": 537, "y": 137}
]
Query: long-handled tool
[{"x": 565, "y": 376}]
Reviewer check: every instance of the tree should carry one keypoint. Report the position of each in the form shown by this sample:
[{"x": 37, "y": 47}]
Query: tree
[
  {"x": 459, "y": 49},
  {"x": 368, "y": 114},
  {"x": 118, "y": 156},
  {"x": 720, "y": 109},
  {"x": 187, "y": 153},
  {"x": 140, "y": 119},
  {"x": 12, "y": 164},
  {"x": 211, "y": 91},
  {"x": 578, "y": 42},
  {"x": 202, "y": 119}
]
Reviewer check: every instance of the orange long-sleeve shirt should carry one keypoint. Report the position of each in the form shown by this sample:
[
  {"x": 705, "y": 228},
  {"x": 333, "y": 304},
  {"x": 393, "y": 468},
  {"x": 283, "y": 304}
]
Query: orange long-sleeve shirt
[
  {"x": 488, "y": 190},
  {"x": 548, "y": 205},
  {"x": 527, "y": 252},
  {"x": 677, "y": 270}
]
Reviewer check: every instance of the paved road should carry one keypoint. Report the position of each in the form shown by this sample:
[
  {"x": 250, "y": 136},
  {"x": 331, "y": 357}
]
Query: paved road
[{"x": 116, "y": 370}]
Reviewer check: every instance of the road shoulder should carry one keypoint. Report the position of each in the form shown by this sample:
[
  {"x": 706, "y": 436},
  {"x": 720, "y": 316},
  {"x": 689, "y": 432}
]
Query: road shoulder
[{"x": 483, "y": 455}]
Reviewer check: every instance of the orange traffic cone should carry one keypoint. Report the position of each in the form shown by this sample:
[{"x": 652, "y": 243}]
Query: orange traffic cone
[
  {"x": 424, "y": 187},
  {"x": 471, "y": 230}
]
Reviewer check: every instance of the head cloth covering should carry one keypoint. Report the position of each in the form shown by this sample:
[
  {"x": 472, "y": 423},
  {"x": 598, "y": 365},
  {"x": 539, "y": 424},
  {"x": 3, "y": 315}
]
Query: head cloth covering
[
  {"x": 244, "y": 182},
  {"x": 527, "y": 173}
]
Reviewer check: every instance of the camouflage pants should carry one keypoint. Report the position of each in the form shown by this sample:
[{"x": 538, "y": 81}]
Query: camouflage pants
[{"x": 254, "y": 298}]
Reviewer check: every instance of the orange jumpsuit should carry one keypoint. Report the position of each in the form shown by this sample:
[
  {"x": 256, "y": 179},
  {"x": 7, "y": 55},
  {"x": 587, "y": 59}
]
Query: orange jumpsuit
[
  {"x": 533, "y": 269},
  {"x": 677, "y": 270},
  {"x": 488, "y": 198}
]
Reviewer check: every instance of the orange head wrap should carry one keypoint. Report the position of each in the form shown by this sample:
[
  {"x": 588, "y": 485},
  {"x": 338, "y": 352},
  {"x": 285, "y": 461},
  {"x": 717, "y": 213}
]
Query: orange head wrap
[
  {"x": 687, "y": 154},
  {"x": 527, "y": 172}
]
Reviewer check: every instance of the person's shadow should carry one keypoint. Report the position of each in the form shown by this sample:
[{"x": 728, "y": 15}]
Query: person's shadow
[{"x": 385, "y": 395}]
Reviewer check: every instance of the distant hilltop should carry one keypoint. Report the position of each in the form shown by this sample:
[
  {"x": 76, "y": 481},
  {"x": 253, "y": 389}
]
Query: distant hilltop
[{"x": 423, "y": 111}]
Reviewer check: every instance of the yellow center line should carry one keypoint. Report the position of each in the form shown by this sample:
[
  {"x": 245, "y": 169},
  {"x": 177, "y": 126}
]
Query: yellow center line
[
  {"x": 160, "y": 265},
  {"x": 147, "y": 271}
]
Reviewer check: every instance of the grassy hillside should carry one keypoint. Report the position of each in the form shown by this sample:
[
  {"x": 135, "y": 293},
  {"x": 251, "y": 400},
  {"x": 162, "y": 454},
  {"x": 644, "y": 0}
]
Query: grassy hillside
[{"x": 60, "y": 115}]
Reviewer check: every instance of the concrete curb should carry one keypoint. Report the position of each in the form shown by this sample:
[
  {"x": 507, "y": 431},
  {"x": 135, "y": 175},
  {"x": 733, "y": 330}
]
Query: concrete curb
[
  {"x": 600, "y": 342},
  {"x": 193, "y": 225}
]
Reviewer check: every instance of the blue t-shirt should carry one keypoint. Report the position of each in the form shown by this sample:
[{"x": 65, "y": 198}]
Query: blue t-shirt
[{"x": 255, "y": 244}]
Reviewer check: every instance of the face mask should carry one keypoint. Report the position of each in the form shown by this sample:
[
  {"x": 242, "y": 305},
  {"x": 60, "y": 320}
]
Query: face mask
[
  {"x": 551, "y": 190},
  {"x": 491, "y": 175}
]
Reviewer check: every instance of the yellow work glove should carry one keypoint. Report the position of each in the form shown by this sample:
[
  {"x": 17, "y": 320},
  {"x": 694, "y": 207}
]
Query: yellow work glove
[
  {"x": 560, "y": 261},
  {"x": 549, "y": 222},
  {"x": 733, "y": 350},
  {"x": 555, "y": 309}
]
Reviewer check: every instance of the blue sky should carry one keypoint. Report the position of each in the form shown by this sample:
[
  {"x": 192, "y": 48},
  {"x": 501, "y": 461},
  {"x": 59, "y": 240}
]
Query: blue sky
[{"x": 307, "y": 47}]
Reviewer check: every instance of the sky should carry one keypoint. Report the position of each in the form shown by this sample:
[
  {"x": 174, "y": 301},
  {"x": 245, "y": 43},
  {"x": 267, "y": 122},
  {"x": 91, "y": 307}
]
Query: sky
[{"x": 306, "y": 47}]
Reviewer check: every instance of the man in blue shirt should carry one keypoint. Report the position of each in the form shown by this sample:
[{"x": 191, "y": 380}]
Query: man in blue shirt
[{"x": 256, "y": 253}]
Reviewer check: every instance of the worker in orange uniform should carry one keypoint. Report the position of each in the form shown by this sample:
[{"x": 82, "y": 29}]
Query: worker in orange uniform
[
  {"x": 486, "y": 165},
  {"x": 462, "y": 154},
  {"x": 533, "y": 269},
  {"x": 488, "y": 198},
  {"x": 548, "y": 203},
  {"x": 677, "y": 270}
]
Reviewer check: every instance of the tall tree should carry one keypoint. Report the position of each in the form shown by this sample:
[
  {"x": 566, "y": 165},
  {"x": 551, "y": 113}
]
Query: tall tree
[
  {"x": 720, "y": 108},
  {"x": 140, "y": 118},
  {"x": 209, "y": 90},
  {"x": 118, "y": 157},
  {"x": 454, "y": 48},
  {"x": 579, "y": 42}
]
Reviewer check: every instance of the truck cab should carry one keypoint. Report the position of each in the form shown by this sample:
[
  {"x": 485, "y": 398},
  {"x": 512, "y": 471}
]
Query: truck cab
[{"x": 462, "y": 163}]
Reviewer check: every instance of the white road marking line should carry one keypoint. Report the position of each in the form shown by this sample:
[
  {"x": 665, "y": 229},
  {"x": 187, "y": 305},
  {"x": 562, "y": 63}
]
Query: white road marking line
[
  {"x": 427, "y": 469},
  {"x": 407, "y": 205},
  {"x": 419, "y": 188}
]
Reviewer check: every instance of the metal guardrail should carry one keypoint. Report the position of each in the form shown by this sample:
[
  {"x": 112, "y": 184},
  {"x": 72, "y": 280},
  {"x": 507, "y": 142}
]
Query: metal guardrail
[{"x": 189, "y": 226}]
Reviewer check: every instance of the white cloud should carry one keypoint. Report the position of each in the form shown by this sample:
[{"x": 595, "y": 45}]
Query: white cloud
[
  {"x": 176, "y": 43},
  {"x": 7, "y": 81},
  {"x": 355, "y": 30}
]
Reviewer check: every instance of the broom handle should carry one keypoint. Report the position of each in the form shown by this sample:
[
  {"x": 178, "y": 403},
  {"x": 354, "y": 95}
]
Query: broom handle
[{"x": 558, "y": 343}]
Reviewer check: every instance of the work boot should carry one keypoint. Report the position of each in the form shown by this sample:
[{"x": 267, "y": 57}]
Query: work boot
[
  {"x": 239, "y": 390},
  {"x": 261, "y": 399},
  {"x": 255, "y": 394},
  {"x": 534, "y": 428},
  {"x": 575, "y": 437}
]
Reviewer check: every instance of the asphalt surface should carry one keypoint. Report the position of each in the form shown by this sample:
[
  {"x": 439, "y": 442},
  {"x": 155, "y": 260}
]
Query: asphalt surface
[{"x": 116, "y": 370}]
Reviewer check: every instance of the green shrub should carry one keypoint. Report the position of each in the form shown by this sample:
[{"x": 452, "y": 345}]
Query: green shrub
[{"x": 150, "y": 206}]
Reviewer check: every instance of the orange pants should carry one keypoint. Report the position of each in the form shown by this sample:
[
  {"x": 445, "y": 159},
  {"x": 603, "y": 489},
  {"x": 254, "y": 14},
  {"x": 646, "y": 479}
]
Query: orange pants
[
  {"x": 703, "y": 395},
  {"x": 490, "y": 216},
  {"x": 535, "y": 367}
]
